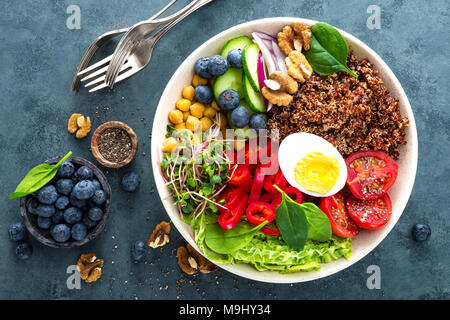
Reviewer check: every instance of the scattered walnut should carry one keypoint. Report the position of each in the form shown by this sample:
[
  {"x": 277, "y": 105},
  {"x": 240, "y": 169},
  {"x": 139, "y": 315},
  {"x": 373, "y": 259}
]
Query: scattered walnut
[
  {"x": 298, "y": 67},
  {"x": 183, "y": 261},
  {"x": 72, "y": 125},
  {"x": 297, "y": 37},
  {"x": 89, "y": 267},
  {"x": 280, "y": 95},
  {"x": 79, "y": 124},
  {"x": 160, "y": 236},
  {"x": 190, "y": 260}
]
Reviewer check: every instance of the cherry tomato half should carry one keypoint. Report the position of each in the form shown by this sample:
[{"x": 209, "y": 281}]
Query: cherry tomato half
[
  {"x": 370, "y": 214},
  {"x": 232, "y": 196},
  {"x": 342, "y": 224},
  {"x": 278, "y": 179},
  {"x": 294, "y": 193},
  {"x": 370, "y": 174},
  {"x": 231, "y": 217},
  {"x": 241, "y": 178},
  {"x": 258, "y": 212},
  {"x": 273, "y": 199},
  {"x": 258, "y": 180}
]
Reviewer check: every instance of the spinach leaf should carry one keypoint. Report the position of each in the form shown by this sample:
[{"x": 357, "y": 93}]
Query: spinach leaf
[
  {"x": 37, "y": 177},
  {"x": 292, "y": 223},
  {"x": 228, "y": 241},
  {"x": 328, "y": 50},
  {"x": 319, "y": 227}
]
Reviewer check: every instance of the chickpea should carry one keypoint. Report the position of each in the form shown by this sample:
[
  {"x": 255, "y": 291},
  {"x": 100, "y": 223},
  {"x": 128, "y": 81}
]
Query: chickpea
[
  {"x": 183, "y": 104},
  {"x": 197, "y": 110},
  {"x": 239, "y": 144},
  {"x": 176, "y": 116},
  {"x": 212, "y": 80},
  {"x": 206, "y": 123},
  {"x": 186, "y": 114},
  {"x": 192, "y": 123},
  {"x": 180, "y": 126},
  {"x": 210, "y": 112},
  {"x": 169, "y": 144},
  {"x": 197, "y": 80},
  {"x": 188, "y": 92},
  {"x": 215, "y": 106}
]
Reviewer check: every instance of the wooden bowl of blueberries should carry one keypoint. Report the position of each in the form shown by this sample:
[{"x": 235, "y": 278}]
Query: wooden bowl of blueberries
[{"x": 72, "y": 209}]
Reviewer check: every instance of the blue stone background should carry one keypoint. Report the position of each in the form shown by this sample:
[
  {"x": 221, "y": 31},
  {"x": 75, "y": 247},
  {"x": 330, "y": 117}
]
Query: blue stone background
[{"x": 39, "y": 56}]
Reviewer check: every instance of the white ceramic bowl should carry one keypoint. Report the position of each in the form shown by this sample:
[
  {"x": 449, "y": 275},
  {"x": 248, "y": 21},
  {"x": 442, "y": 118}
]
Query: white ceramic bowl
[{"x": 367, "y": 240}]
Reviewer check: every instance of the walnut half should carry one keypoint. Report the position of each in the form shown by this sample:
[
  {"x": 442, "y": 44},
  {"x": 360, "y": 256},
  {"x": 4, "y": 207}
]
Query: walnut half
[
  {"x": 190, "y": 260},
  {"x": 298, "y": 67},
  {"x": 160, "y": 236},
  {"x": 295, "y": 37},
  {"x": 280, "y": 94},
  {"x": 89, "y": 267}
]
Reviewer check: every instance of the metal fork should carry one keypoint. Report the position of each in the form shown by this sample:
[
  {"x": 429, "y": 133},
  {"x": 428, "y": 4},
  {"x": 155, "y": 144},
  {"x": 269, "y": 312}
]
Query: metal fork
[
  {"x": 101, "y": 40},
  {"x": 132, "y": 38},
  {"x": 139, "y": 57}
]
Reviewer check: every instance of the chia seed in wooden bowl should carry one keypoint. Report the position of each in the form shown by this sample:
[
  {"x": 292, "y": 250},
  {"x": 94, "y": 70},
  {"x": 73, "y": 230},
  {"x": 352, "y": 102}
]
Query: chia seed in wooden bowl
[{"x": 114, "y": 144}]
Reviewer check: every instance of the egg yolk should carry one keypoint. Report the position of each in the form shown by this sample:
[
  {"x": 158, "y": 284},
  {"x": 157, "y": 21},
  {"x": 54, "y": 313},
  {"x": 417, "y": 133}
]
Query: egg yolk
[{"x": 317, "y": 172}]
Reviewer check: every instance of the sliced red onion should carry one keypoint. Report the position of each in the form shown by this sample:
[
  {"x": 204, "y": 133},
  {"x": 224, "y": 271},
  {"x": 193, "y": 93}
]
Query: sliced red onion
[
  {"x": 266, "y": 53},
  {"x": 265, "y": 36},
  {"x": 280, "y": 57},
  {"x": 260, "y": 71}
]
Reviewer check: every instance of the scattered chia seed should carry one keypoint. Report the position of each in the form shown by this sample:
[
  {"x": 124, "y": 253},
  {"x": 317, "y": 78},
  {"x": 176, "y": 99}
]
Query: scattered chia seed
[{"x": 114, "y": 144}]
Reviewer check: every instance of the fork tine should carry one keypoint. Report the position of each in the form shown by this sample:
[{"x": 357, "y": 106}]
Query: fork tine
[
  {"x": 121, "y": 77},
  {"x": 118, "y": 60},
  {"x": 95, "y": 65},
  {"x": 94, "y": 74},
  {"x": 102, "y": 77}
]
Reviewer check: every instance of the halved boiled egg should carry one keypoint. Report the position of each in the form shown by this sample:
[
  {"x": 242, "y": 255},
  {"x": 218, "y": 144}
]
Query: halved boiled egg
[{"x": 312, "y": 164}]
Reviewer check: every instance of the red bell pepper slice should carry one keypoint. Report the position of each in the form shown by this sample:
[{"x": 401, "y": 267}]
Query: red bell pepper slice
[
  {"x": 294, "y": 193},
  {"x": 273, "y": 199},
  {"x": 231, "y": 217},
  {"x": 278, "y": 179},
  {"x": 258, "y": 180},
  {"x": 258, "y": 212},
  {"x": 241, "y": 178},
  {"x": 232, "y": 196},
  {"x": 270, "y": 231}
]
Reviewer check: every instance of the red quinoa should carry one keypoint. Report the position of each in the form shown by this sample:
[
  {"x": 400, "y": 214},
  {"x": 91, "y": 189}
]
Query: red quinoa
[{"x": 352, "y": 114}]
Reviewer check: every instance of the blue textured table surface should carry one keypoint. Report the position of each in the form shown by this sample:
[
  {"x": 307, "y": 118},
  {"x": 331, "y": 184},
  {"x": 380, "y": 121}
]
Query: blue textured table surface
[{"x": 39, "y": 56}]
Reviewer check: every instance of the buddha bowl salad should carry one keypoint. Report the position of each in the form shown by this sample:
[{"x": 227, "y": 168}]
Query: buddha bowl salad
[{"x": 260, "y": 189}]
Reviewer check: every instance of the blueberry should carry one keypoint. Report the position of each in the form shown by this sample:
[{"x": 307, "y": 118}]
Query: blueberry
[
  {"x": 32, "y": 205},
  {"x": 24, "y": 250},
  {"x": 229, "y": 99},
  {"x": 45, "y": 210},
  {"x": 44, "y": 223},
  {"x": 240, "y": 117},
  {"x": 64, "y": 186},
  {"x": 421, "y": 232},
  {"x": 97, "y": 184},
  {"x": 66, "y": 169},
  {"x": 77, "y": 202},
  {"x": 83, "y": 190},
  {"x": 62, "y": 203},
  {"x": 257, "y": 121},
  {"x": 234, "y": 57},
  {"x": 217, "y": 65},
  {"x": 130, "y": 181},
  {"x": 47, "y": 195},
  {"x": 202, "y": 68},
  {"x": 79, "y": 231},
  {"x": 58, "y": 217},
  {"x": 99, "y": 197},
  {"x": 84, "y": 173},
  {"x": 73, "y": 215},
  {"x": 138, "y": 251},
  {"x": 60, "y": 232},
  {"x": 95, "y": 214},
  {"x": 88, "y": 222},
  {"x": 204, "y": 94},
  {"x": 17, "y": 231}
]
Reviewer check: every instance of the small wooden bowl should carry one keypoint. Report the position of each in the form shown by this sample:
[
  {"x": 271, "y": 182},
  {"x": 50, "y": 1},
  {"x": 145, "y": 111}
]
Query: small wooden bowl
[
  {"x": 44, "y": 236},
  {"x": 96, "y": 136}
]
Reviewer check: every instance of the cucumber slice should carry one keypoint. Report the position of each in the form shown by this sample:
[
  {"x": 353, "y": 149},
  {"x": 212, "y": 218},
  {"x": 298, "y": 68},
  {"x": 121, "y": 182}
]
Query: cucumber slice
[
  {"x": 236, "y": 43},
  {"x": 254, "y": 99},
  {"x": 232, "y": 79},
  {"x": 249, "y": 63}
]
